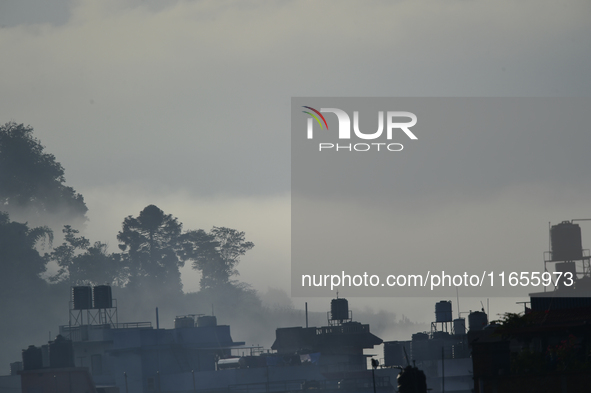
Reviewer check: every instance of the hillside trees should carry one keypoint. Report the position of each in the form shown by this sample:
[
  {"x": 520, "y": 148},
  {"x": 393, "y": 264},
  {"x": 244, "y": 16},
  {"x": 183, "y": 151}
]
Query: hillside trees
[
  {"x": 32, "y": 185},
  {"x": 155, "y": 249},
  {"x": 32, "y": 181},
  {"x": 21, "y": 263}
]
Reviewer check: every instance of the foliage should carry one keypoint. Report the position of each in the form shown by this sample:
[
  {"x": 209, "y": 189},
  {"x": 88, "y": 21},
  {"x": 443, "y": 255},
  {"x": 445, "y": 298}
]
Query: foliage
[
  {"x": 83, "y": 264},
  {"x": 64, "y": 254},
  {"x": 21, "y": 262},
  {"x": 567, "y": 355},
  {"x": 215, "y": 254},
  {"x": 32, "y": 179},
  {"x": 509, "y": 322},
  {"x": 96, "y": 267},
  {"x": 201, "y": 248},
  {"x": 150, "y": 243}
]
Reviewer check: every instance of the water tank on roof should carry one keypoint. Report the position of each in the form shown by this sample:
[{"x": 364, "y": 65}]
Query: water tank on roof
[
  {"x": 184, "y": 322},
  {"x": 103, "y": 297},
  {"x": 82, "y": 297},
  {"x": 477, "y": 320},
  {"x": 61, "y": 353},
  {"x": 32, "y": 358},
  {"x": 443, "y": 311},
  {"x": 565, "y": 239},
  {"x": 207, "y": 320},
  {"x": 339, "y": 309},
  {"x": 460, "y": 326}
]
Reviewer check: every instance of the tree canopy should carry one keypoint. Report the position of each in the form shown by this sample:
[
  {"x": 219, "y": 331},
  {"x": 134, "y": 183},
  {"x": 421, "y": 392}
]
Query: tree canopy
[
  {"x": 150, "y": 242},
  {"x": 215, "y": 254},
  {"x": 21, "y": 263},
  {"x": 82, "y": 264},
  {"x": 32, "y": 179}
]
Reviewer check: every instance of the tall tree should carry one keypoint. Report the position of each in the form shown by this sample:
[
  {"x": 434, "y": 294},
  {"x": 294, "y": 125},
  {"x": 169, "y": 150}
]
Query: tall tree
[
  {"x": 215, "y": 254},
  {"x": 150, "y": 242},
  {"x": 32, "y": 180}
]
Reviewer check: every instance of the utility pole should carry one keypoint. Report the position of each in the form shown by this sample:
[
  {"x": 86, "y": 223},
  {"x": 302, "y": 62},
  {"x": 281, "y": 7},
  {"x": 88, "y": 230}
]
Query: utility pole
[{"x": 374, "y": 364}]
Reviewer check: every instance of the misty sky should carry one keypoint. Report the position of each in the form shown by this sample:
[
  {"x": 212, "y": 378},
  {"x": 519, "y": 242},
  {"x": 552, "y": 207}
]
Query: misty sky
[{"x": 186, "y": 105}]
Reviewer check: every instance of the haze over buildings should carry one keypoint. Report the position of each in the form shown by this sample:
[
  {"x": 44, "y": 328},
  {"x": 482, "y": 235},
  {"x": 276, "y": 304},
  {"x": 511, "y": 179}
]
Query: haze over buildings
[{"x": 185, "y": 105}]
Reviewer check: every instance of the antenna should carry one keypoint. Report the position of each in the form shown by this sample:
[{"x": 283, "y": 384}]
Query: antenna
[
  {"x": 458, "y": 301},
  {"x": 406, "y": 356}
]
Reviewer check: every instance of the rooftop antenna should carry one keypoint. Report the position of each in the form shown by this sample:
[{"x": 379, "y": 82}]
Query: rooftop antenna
[
  {"x": 306, "y": 314},
  {"x": 458, "y": 300},
  {"x": 212, "y": 309},
  {"x": 406, "y": 356}
]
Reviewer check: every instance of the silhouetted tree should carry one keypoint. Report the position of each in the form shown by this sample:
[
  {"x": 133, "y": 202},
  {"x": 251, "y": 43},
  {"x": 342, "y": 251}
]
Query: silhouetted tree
[
  {"x": 27, "y": 304},
  {"x": 64, "y": 254},
  {"x": 215, "y": 254},
  {"x": 32, "y": 179},
  {"x": 21, "y": 262},
  {"x": 201, "y": 248},
  {"x": 81, "y": 264},
  {"x": 97, "y": 267},
  {"x": 150, "y": 243}
]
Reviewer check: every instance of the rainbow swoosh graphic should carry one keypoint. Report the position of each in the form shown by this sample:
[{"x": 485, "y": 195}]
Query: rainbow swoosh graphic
[{"x": 316, "y": 117}]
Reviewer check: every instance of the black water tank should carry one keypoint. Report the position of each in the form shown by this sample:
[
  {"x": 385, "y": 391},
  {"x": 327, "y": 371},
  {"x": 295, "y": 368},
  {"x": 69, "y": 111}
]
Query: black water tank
[
  {"x": 565, "y": 239},
  {"x": 443, "y": 311},
  {"x": 102, "y": 296},
  {"x": 459, "y": 326},
  {"x": 339, "y": 309},
  {"x": 32, "y": 358},
  {"x": 82, "y": 298},
  {"x": 477, "y": 320},
  {"x": 61, "y": 353}
]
